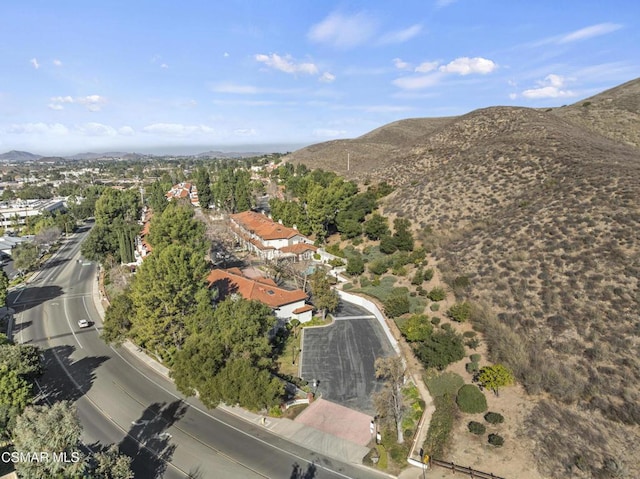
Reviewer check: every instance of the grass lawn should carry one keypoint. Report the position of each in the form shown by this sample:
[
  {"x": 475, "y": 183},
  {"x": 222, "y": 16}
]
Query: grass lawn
[
  {"x": 288, "y": 360},
  {"x": 381, "y": 291}
]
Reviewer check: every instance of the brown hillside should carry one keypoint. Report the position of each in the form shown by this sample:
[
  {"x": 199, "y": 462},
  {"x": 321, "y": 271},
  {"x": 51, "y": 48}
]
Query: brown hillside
[
  {"x": 541, "y": 211},
  {"x": 371, "y": 151},
  {"x": 614, "y": 113},
  {"x": 544, "y": 218}
]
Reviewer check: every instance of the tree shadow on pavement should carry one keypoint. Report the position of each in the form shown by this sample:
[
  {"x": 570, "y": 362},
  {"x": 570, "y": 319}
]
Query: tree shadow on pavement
[
  {"x": 299, "y": 473},
  {"x": 56, "y": 383},
  {"x": 148, "y": 443},
  {"x": 32, "y": 296}
]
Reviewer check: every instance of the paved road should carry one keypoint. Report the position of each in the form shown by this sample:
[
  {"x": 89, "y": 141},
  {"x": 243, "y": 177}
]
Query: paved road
[
  {"x": 122, "y": 401},
  {"x": 342, "y": 356}
]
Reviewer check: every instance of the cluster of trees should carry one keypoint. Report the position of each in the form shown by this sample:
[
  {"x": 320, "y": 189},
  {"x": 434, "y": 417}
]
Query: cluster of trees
[
  {"x": 116, "y": 214},
  {"x": 221, "y": 349},
  {"x": 232, "y": 190},
  {"x": 322, "y": 203},
  {"x": 20, "y": 365},
  {"x": 57, "y": 429}
]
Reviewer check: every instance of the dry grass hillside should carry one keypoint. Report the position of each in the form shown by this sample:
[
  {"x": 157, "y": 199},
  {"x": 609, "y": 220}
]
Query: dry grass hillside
[
  {"x": 614, "y": 113},
  {"x": 540, "y": 209},
  {"x": 371, "y": 151}
]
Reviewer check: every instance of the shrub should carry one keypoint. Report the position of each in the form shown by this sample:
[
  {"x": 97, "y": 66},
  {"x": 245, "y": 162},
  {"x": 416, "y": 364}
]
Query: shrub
[
  {"x": 347, "y": 286},
  {"x": 472, "y": 367},
  {"x": 364, "y": 282},
  {"x": 416, "y": 328},
  {"x": 435, "y": 320},
  {"x": 434, "y": 307},
  {"x": 437, "y": 294},
  {"x": 418, "y": 277},
  {"x": 445, "y": 384},
  {"x": 446, "y": 327},
  {"x": 355, "y": 266},
  {"x": 440, "y": 426},
  {"x": 460, "y": 312},
  {"x": 397, "y": 304},
  {"x": 496, "y": 440},
  {"x": 472, "y": 343},
  {"x": 471, "y": 400},
  {"x": 336, "y": 262},
  {"x": 475, "y": 358},
  {"x": 427, "y": 275},
  {"x": 476, "y": 427},
  {"x": 378, "y": 267},
  {"x": 494, "y": 418},
  {"x": 440, "y": 350},
  {"x": 469, "y": 334}
]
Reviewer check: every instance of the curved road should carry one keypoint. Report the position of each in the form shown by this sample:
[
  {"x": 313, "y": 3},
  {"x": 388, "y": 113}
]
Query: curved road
[{"x": 120, "y": 400}]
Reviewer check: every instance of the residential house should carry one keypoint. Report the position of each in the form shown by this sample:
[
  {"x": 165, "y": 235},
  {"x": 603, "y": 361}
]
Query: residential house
[
  {"x": 142, "y": 246},
  {"x": 286, "y": 304},
  {"x": 184, "y": 190},
  {"x": 270, "y": 240}
]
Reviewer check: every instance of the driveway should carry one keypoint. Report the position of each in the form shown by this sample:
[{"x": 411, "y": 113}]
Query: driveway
[{"x": 341, "y": 357}]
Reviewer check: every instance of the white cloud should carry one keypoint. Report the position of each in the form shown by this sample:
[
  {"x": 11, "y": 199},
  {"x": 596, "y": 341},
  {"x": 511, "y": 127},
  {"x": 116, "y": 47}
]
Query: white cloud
[
  {"x": 235, "y": 88},
  {"x": 96, "y": 129},
  {"x": 434, "y": 74},
  {"x": 343, "y": 31},
  {"x": 126, "y": 131},
  {"x": 225, "y": 54},
  {"x": 286, "y": 64},
  {"x": 589, "y": 32},
  {"x": 164, "y": 65},
  {"x": 401, "y": 64},
  {"x": 57, "y": 62},
  {"x": 327, "y": 77},
  {"x": 401, "y": 36},
  {"x": 91, "y": 102},
  {"x": 551, "y": 87},
  {"x": 52, "y": 129},
  {"x": 466, "y": 66},
  {"x": 34, "y": 62},
  {"x": 513, "y": 96},
  {"x": 426, "y": 67},
  {"x": 444, "y": 3},
  {"x": 418, "y": 82},
  {"x": 178, "y": 129}
]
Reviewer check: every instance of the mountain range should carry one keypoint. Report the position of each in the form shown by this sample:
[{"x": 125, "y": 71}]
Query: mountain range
[{"x": 539, "y": 210}]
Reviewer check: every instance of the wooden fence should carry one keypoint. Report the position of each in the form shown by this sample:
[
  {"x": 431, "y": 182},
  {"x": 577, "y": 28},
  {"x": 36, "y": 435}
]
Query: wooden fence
[{"x": 464, "y": 470}]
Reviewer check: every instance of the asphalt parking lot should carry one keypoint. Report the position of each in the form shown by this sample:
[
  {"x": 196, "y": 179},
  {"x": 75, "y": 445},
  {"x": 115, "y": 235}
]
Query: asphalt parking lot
[{"x": 341, "y": 357}]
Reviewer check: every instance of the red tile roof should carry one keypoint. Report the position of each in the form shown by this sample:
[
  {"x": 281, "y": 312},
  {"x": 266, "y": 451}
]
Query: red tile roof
[
  {"x": 303, "y": 309},
  {"x": 264, "y": 227},
  {"x": 299, "y": 248},
  {"x": 264, "y": 290}
]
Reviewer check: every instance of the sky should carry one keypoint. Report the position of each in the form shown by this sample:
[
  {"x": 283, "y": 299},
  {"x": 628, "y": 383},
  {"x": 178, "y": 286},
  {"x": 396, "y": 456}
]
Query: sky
[{"x": 158, "y": 76}]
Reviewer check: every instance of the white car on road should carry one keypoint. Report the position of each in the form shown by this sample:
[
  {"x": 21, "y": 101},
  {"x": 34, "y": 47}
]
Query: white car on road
[{"x": 83, "y": 323}]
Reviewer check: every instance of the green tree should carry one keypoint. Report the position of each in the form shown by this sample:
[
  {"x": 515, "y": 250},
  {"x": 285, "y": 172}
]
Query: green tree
[
  {"x": 15, "y": 394},
  {"x": 52, "y": 429},
  {"x": 4, "y": 284},
  {"x": 387, "y": 244},
  {"x": 355, "y": 265},
  {"x": 325, "y": 298},
  {"x": 111, "y": 464},
  {"x": 165, "y": 298},
  {"x": 495, "y": 377},
  {"x": 390, "y": 404},
  {"x": 376, "y": 227},
  {"x": 203, "y": 184},
  {"x": 117, "y": 319},
  {"x": 24, "y": 359},
  {"x": 156, "y": 196},
  {"x": 25, "y": 256},
  {"x": 403, "y": 238},
  {"x": 177, "y": 225}
]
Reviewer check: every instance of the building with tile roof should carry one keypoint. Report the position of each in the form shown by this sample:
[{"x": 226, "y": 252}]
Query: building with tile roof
[
  {"x": 184, "y": 190},
  {"x": 268, "y": 239},
  {"x": 286, "y": 304}
]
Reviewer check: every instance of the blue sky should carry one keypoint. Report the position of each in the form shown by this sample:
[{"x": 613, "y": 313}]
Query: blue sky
[{"x": 154, "y": 76}]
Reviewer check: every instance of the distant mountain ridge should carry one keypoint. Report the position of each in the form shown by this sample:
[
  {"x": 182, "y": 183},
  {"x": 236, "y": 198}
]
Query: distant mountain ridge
[
  {"x": 20, "y": 156},
  {"x": 15, "y": 155}
]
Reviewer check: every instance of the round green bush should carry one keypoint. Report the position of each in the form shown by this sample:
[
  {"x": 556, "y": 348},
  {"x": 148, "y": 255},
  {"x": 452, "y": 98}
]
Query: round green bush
[
  {"x": 472, "y": 367},
  {"x": 469, "y": 334},
  {"x": 471, "y": 400},
  {"x": 435, "y": 320},
  {"x": 437, "y": 294},
  {"x": 496, "y": 440},
  {"x": 476, "y": 427},
  {"x": 475, "y": 358},
  {"x": 434, "y": 307},
  {"x": 494, "y": 418}
]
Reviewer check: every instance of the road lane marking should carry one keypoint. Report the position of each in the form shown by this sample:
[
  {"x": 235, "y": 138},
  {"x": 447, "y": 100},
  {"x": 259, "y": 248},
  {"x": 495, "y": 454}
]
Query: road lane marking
[
  {"x": 262, "y": 441},
  {"x": 64, "y": 302}
]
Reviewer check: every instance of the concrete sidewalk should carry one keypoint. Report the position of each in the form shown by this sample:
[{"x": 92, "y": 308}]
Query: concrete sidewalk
[{"x": 298, "y": 433}]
